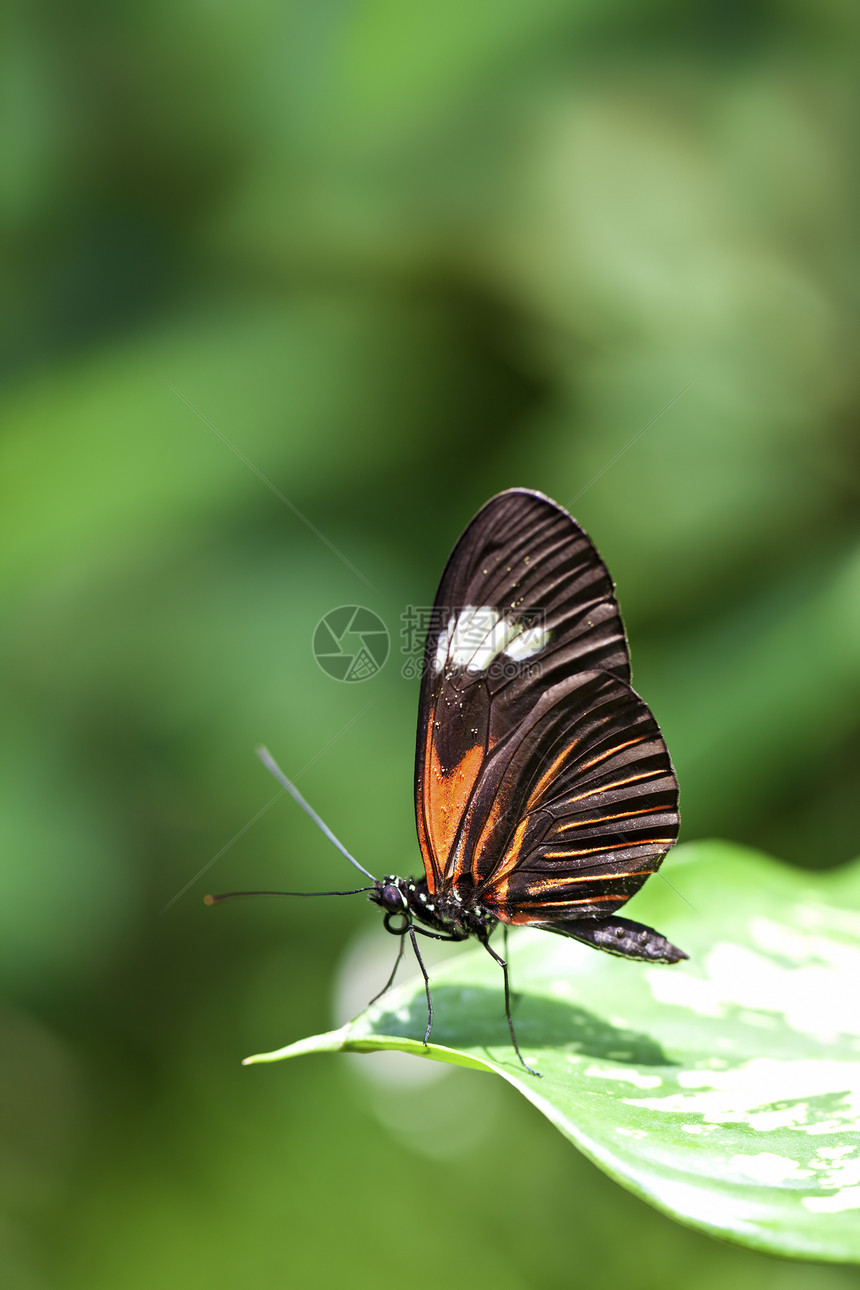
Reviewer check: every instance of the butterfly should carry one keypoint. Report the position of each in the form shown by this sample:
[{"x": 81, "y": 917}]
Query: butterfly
[{"x": 544, "y": 792}]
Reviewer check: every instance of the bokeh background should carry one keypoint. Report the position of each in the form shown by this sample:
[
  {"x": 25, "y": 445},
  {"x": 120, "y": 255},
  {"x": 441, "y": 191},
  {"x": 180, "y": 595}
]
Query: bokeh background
[{"x": 400, "y": 257}]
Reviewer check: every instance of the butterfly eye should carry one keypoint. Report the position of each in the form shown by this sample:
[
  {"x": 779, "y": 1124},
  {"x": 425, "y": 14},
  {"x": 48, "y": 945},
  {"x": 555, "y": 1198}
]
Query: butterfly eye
[{"x": 392, "y": 898}]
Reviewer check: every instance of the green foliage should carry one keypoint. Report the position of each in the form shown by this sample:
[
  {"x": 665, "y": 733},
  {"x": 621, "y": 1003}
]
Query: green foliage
[
  {"x": 724, "y": 1091},
  {"x": 401, "y": 257}
]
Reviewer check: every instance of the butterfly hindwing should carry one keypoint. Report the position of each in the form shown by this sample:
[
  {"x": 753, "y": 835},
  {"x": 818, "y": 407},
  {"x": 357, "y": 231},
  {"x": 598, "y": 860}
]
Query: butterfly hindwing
[{"x": 591, "y": 807}]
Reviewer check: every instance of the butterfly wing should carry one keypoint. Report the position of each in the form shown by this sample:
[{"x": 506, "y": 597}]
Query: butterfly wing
[
  {"x": 578, "y": 809},
  {"x": 526, "y": 636}
]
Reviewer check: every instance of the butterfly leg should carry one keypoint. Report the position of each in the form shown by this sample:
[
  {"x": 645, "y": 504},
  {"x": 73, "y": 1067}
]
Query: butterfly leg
[
  {"x": 504, "y": 966},
  {"x": 514, "y": 995},
  {"x": 433, "y": 936},
  {"x": 414, "y": 941},
  {"x": 390, "y": 982}
]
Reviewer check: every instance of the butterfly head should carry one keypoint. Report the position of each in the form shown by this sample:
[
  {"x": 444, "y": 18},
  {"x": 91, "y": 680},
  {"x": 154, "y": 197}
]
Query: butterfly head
[
  {"x": 418, "y": 908},
  {"x": 407, "y": 896},
  {"x": 390, "y": 893}
]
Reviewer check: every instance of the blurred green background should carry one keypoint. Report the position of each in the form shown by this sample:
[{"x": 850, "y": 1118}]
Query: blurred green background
[{"x": 401, "y": 257}]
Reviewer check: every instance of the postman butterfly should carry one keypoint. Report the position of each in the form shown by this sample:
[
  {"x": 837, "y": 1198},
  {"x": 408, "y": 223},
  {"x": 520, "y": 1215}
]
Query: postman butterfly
[{"x": 544, "y": 792}]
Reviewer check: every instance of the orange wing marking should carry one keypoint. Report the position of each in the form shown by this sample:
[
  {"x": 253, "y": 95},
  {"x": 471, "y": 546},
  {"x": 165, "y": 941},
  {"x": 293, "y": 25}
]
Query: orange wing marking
[
  {"x": 446, "y": 796},
  {"x": 553, "y": 770},
  {"x": 610, "y": 752},
  {"x": 612, "y": 846},
  {"x": 456, "y": 865},
  {"x": 550, "y": 774},
  {"x": 619, "y": 783},
  {"x": 509, "y": 861},
  {"x": 522, "y": 918},
  {"x": 547, "y": 884},
  {"x": 623, "y": 815},
  {"x": 511, "y": 857}
]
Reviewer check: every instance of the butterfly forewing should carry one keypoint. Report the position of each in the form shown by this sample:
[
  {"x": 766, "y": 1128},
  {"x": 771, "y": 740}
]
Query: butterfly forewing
[
  {"x": 543, "y": 786},
  {"x": 524, "y": 559}
]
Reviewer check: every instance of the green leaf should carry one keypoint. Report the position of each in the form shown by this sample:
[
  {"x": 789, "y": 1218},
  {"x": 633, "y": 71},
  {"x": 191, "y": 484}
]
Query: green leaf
[{"x": 725, "y": 1091}]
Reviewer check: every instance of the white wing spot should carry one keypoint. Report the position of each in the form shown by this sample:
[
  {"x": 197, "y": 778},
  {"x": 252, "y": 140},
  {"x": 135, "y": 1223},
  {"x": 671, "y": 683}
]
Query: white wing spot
[
  {"x": 476, "y": 636},
  {"x": 525, "y": 644}
]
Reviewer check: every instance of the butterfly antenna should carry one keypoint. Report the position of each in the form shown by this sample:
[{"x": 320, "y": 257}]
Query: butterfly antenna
[
  {"x": 235, "y": 895},
  {"x": 272, "y": 766}
]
